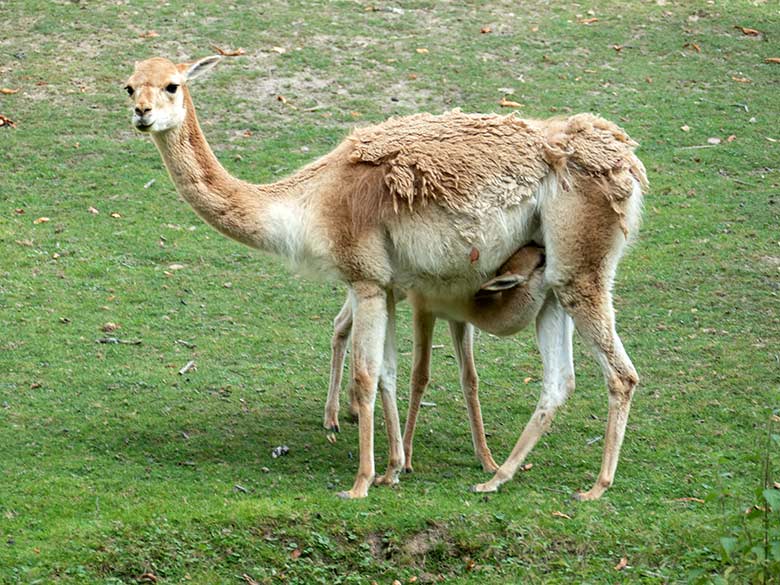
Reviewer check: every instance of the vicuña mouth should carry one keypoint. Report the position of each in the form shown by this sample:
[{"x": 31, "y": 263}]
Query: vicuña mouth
[{"x": 143, "y": 127}]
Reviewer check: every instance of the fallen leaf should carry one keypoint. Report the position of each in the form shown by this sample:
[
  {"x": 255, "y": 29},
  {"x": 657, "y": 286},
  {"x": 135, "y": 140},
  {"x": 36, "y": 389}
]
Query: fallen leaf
[
  {"x": 534, "y": 29},
  {"x": 693, "y": 46},
  {"x": 526, "y": 467},
  {"x": 622, "y": 564},
  {"x": 92, "y": 210},
  {"x": 772, "y": 60},
  {"x": 741, "y": 79},
  {"x": 505, "y": 103},
  {"x": 713, "y": 140},
  {"x": 150, "y": 34},
  {"x": 561, "y": 515},
  {"x": 19, "y": 211},
  {"x": 280, "y": 50},
  {"x": 776, "y": 485},
  {"x": 6, "y": 91},
  {"x": 413, "y": 579},
  {"x": 228, "y": 53},
  {"x": 588, "y": 20},
  {"x": 148, "y": 578},
  {"x": 770, "y": 139},
  {"x": 697, "y": 500},
  {"x": 7, "y": 122},
  {"x": 751, "y": 32},
  {"x": 731, "y": 138},
  {"x": 617, "y": 48},
  {"x": 470, "y": 564},
  {"x": 485, "y": 30},
  {"x": 295, "y": 554},
  {"x": 527, "y": 380},
  {"x": 41, "y": 220},
  {"x": 649, "y": 79},
  {"x": 109, "y": 327},
  {"x": 175, "y": 266},
  {"x": 249, "y": 580},
  {"x": 422, "y": 50},
  {"x": 115, "y": 215},
  {"x": 685, "y": 128}
]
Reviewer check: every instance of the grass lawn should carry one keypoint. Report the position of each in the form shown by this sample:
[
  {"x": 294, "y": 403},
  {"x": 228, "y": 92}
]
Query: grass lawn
[{"x": 116, "y": 469}]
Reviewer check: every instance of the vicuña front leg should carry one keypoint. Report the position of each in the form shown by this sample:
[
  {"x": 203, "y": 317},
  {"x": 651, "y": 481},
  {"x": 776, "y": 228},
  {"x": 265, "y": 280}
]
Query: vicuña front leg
[
  {"x": 387, "y": 386},
  {"x": 554, "y": 331},
  {"x": 421, "y": 373},
  {"x": 342, "y": 327},
  {"x": 463, "y": 341},
  {"x": 368, "y": 339}
]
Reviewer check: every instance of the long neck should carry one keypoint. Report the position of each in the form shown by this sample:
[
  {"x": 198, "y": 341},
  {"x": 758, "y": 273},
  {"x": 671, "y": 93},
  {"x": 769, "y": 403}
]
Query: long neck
[{"x": 232, "y": 206}]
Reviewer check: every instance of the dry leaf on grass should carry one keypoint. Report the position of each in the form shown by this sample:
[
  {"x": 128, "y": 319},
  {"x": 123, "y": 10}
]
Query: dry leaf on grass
[
  {"x": 561, "y": 515},
  {"x": 692, "y": 46},
  {"x": 150, "y": 34},
  {"x": 622, "y": 564},
  {"x": 772, "y": 60},
  {"x": 685, "y": 128},
  {"x": 485, "y": 30},
  {"x": 7, "y": 122},
  {"x": 697, "y": 500},
  {"x": 588, "y": 20},
  {"x": 280, "y": 50},
  {"x": 505, "y": 103},
  {"x": 740, "y": 79},
  {"x": 228, "y": 52},
  {"x": 6, "y": 91},
  {"x": 92, "y": 210},
  {"x": 751, "y": 32},
  {"x": 249, "y": 580},
  {"x": 422, "y": 50},
  {"x": 713, "y": 140},
  {"x": 526, "y": 467},
  {"x": 115, "y": 215},
  {"x": 41, "y": 220}
]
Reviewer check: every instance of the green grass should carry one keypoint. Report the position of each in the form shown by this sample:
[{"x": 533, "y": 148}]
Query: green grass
[{"x": 112, "y": 465}]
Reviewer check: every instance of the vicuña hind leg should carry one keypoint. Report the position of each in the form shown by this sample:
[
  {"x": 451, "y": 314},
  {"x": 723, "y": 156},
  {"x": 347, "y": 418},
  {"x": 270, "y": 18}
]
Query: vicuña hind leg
[
  {"x": 593, "y": 315},
  {"x": 463, "y": 341},
  {"x": 554, "y": 330}
]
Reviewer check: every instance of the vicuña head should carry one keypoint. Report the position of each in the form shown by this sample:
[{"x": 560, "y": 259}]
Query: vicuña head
[{"x": 157, "y": 88}]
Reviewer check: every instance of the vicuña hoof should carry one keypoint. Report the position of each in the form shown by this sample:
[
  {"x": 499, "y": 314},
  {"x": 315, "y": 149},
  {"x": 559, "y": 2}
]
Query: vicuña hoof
[
  {"x": 351, "y": 495},
  {"x": 387, "y": 479},
  {"x": 483, "y": 488}
]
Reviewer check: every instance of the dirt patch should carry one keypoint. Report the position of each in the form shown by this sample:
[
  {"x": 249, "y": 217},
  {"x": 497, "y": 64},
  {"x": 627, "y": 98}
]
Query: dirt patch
[{"x": 434, "y": 538}]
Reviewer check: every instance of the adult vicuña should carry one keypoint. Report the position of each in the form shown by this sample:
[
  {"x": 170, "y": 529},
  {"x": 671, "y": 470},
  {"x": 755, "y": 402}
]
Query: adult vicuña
[
  {"x": 504, "y": 305},
  {"x": 404, "y": 205}
]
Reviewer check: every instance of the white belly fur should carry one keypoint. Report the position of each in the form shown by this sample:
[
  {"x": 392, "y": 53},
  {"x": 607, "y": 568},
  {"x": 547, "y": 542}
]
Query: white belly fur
[{"x": 433, "y": 253}]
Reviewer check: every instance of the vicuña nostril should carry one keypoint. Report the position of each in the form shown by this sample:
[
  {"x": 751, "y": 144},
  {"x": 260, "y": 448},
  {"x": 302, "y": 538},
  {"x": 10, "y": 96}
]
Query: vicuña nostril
[{"x": 143, "y": 112}]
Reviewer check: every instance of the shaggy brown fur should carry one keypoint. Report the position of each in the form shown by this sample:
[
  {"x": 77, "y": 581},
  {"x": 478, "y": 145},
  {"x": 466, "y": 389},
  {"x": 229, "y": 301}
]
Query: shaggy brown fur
[{"x": 455, "y": 158}]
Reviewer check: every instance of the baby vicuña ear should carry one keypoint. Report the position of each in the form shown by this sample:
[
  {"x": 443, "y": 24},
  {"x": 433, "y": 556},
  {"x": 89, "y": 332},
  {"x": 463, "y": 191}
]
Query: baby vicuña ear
[{"x": 194, "y": 70}]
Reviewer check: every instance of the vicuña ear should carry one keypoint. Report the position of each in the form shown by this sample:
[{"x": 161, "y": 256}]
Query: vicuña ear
[
  {"x": 194, "y": 70},
  {"x": 503, "y": 282}
]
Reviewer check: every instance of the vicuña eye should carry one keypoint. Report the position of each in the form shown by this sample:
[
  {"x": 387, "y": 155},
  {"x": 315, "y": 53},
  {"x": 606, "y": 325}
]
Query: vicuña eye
[
  {"x": 129, "y": 90},
  {"x": 171, "y": 87}
]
